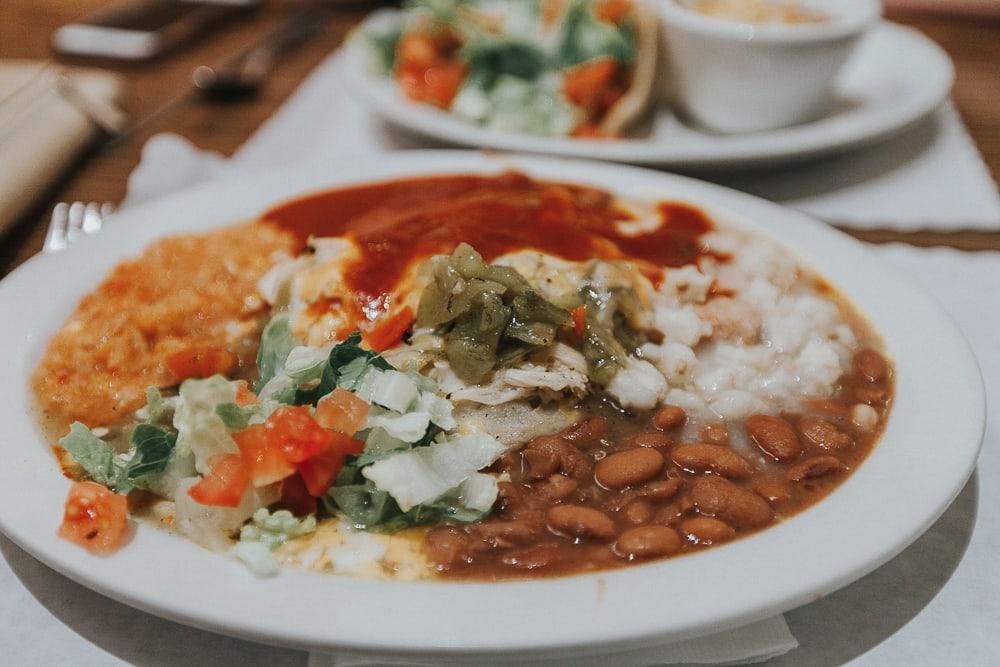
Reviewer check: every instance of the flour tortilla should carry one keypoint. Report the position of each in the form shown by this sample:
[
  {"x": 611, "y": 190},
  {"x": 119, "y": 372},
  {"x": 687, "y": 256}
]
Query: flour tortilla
[{"x": 633, "y": 104}]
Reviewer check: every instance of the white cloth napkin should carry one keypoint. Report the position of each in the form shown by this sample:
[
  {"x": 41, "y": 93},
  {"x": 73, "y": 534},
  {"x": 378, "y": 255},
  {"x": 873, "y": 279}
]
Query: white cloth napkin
[
  {"x": 929, "y": 177},
  {"x": 41, "y": 131}
]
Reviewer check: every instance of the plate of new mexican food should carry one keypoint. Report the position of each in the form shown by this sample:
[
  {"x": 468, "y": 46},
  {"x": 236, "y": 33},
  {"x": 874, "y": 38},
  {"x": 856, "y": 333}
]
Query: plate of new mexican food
[
  {"x": 453, "y": 404},
  {"x": 670, "y": 83}
]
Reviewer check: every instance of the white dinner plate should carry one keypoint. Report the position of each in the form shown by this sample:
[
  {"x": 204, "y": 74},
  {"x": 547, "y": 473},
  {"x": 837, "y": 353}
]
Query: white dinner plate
[
  {"x": 896, "y": 78},
  {"x": 928, "y": 451}
]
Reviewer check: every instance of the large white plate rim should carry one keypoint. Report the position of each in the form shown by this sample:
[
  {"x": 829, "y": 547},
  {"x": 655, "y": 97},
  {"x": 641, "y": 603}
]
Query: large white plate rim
[
  {"x": 838, "y": 133},
  {"x": 753, "y": 578}
]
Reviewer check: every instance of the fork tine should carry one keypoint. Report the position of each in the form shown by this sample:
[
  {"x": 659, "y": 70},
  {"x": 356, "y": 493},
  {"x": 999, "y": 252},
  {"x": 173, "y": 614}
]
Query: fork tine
[
  {"x": 92, "y": 220},
  {"x": 107, "y": 208},
  {"x": 55, "y": 238},
  {"x": 74, "y": 228}
]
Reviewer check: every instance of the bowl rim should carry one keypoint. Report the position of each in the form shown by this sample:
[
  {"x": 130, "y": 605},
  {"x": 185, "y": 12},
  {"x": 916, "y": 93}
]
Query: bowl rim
[
  {"x": 608, "y": 610},
  {"x": 843, "y": 25}
]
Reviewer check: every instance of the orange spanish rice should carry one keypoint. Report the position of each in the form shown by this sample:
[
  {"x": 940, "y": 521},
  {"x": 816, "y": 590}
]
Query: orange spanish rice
[{"x": 184, "y": 291}]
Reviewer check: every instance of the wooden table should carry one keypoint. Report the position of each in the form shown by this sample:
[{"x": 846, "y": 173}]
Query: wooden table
[{"x": 26, "y": 27}]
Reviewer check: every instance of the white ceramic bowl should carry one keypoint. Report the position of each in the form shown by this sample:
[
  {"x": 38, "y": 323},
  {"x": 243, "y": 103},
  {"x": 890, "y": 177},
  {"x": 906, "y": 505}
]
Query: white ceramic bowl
[
  {"x": 737, "y": 77},
  {"x": 927, "y": 453}
]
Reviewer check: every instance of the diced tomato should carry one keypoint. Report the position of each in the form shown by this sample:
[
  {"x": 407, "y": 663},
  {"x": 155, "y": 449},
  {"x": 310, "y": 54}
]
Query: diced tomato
[
  {"x": 297, "y": 433},
  {"x": 425, "y": 69},
  {"x": 225, "y": 482},
  {"x": 347, "y": 445},
  {"x": 95, "y": 518},
  {"x": 263, "y": 456},
  {"x": 579, "y": 321},
  {"x": 551, "y": 10},
  {"x": 201, "y": 362},
  {"x": 387, "y": 330},
  {"x": 593, "y": 85},
  {"x": 319, "y": 471},
  {"x": 243, "y": 394},
  {"x": 416, "y": 50},
  {"x": 437, "y": 84},
  {"x": 295, "y": 497},
  {"x": 342, "y": 411},
  {"x": 612, "y": 11},
  {"x": 442, "y": 82}
]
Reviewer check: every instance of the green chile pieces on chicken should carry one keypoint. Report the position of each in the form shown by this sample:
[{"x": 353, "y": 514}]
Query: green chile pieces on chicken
[{"x": 493, "y": 316}]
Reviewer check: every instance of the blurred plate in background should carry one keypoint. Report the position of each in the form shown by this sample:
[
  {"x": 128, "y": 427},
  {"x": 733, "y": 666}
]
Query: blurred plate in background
[{"x": 896, "y": 78}]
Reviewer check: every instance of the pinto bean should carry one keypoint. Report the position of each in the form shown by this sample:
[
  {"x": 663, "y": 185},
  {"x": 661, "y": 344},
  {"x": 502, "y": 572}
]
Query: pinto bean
[
  {"x": 638, "y": 512},
  {"x": 651, "y": 439},
  {"x": 719, "y": 498},
  {"x": 668, "y": 417},
  {"x": 572, "y": 461},
  {"x": 823, "y": 434},
  {"x": 537, "y": 464},
  {"x": 871, "y": 395},
  {"x": 557, "y": 487},
  {"x": 662, "y": 490},
  {"x": 509, "y": 497},
  {"x": 587, "y": 431},
  {"x": 775, "y": 436},
  {"x": 504, "y": 533},
  {"x": 666, "y": 516},
  {"x": 772, "y": 491},
  {"x": 580, "y": 521},
  {"x": 715, "y": 433},
  {"x": 818, "y": 466},
  {"x": 871, "y": 365},
  {"x": 706, "y": 530},
  {"x": 628, "y": 468},
  {"x": 648, "y": 542},
  {"x": 533, "y": 558},
  {"x": 703, "y": 457},
  {"x": 826, "y": 406}
]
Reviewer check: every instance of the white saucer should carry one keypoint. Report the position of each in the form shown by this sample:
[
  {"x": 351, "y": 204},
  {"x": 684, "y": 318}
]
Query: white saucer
[{"x": 896, "y": 78}]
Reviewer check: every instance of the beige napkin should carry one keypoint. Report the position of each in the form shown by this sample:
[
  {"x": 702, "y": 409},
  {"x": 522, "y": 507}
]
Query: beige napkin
[{"x": 41, "y": 130}]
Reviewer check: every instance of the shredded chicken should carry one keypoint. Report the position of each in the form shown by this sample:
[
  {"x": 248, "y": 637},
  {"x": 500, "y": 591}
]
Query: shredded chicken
[
  {"x": 516, "y": 422},
  {"x": 563, "y": 371}
]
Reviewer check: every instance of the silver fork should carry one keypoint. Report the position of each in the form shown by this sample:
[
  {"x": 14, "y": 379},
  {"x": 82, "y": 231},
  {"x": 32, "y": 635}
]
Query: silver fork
[{"x": 71, "y": 222}]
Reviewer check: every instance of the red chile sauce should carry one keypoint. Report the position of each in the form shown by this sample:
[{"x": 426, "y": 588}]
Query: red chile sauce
[{"x": 397, "y": 223}]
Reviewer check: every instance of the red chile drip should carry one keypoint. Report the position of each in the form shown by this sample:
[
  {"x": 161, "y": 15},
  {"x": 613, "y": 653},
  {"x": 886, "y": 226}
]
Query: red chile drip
[{"x": 398, "y": 223}]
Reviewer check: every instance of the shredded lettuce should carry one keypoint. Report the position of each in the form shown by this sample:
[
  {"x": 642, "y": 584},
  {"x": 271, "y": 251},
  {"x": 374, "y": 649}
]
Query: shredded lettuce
[
  {"x": 410, "y": 427},
  {"x": 369, "y": 508},
  {"x": 200, "y": 429},
  {"x": 95, "y": 456},
  {"x": 425, "y": 474},
  {"x": 274, "y": 529},
  {"x": 388, "y": 388},
  {"x": 584, "y": 37},
  {"x": 148, "y": 457},
  {"x": 157, "y": 409},
  {"x": 153, "y": 447},
  {"x": 235, "y": 417},
  {"x": 440, "y": 410},
  {"x": 276, "y": 343},
  {"x": 346, "y": 363},
  {"x": 378, "y": 445},
  {"x": 306, "y": 364}
]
